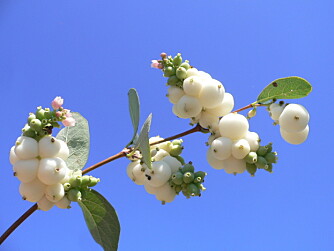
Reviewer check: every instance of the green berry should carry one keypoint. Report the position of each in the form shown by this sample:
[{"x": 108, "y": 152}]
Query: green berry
[
  {"x": 185, "y": 65},
  {"x": 177, "y": 142},
  {"x": 172, "y": 80},
  {"x": 261, "y": 163},
  {"x": 36, "y": 124},
  {"x": 188, "y": 177},
  {"x": 179, "y": 158},
  {"x": 40, "y": 113},
  {"x": 269, "y": 168},
  {"x": 188, "y": 168},
  {"x": 200, "y": 174},
  {"x": 93, "y": 181},
  {"x": 251, "y": 158},
  {"x": 193, "y": 190},
  {"x": 251, "y": 168},
  {"x": 177, "y": 60},
  {"x": 177, "y": 178},
  {"x": 269, "y": 147},
  {"x": 74, "y": 195},
  {"x": 169, "y": 71},
  {"x": 271, "y": 157},
  {"x": 31, "y": 117},
  {"x": 181, "y": 73},
  {"x": 176, "y": 150},
  {"x": 262, "y": 150}
]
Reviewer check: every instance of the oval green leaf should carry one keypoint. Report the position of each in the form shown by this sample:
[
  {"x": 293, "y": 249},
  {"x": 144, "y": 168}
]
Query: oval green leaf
[
  {"x": 134, "y": 109},
  {"x": 77, "y": 139},
  {"x": 143, "y": 142},
  {"x": 101, "y": 220},
  {"x": 285, "y": 88}
]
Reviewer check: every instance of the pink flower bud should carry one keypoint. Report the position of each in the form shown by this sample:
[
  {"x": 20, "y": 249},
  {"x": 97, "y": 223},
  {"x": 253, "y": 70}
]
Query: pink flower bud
[
  {"x": 69, "y": 121},
  {"x": 57, "y": 103},
  {"x": 156, "y": 64},
  {"x": 59, "y": 114},
  {"x": 67, "y": 113}
]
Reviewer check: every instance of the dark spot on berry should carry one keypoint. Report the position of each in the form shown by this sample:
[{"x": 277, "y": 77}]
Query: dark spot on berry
[
  {"x": 52, "y": 140},
  {"x": 148, "y": 176},
  {"x": 275, "y": 84}
]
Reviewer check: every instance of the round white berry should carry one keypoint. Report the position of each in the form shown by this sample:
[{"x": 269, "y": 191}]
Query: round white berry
[
  {"x": 32, "y": 191},
  {"x": 49, "y": 147},
  {"x": 233, "y": 126},
  {"x": 214, "y": 162},
  {"x": 233, "y": 165},
  {"x": 295, "y": 138},
  {"x": 294, "y": 118},
  {"x": 165, "y": 193},
  {"x": 12, "y": 156},
  {"x": 240, "y": 148},
  {"x": 174, "y": 94},
  {"x": 192, "y": 86},
  {"x": 221, "y": 148},
  {"x": 275, "y": 111},
  {"x": 44, "y": 204},
  {"x": 160, "y": 155},
  {"x": 192, "y": 72},
  {"x": 138, "y": 172},
  {"x": 26, "y": 148},
  {"x": 212, "y": 93},
  {"x": 52, "y": 170},
  {"x": 208, "y": 120},
  {"x": 149, "y": 189},
  {"x": 173, "y": 163},
  {"x": 224, "y": 107},
  {"x": 64, "y": 152},
  {"x": 26, "y": 170},
  {"x": 253, "y": 140},
  {"x": 55, "y": 192},
  {"x": 159, "y": 174},
  {"x": 204, "y": 75},
  {"x": 188, "y": 107},
  {"x": 64, "y": 203},
  {"x": 130, "y": 167}
]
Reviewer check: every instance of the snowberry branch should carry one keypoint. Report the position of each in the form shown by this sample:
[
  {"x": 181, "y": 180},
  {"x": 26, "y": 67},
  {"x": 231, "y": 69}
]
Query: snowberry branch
[
  {"x": 247, "y": 107},
  {"x": 18, "y": 223}
]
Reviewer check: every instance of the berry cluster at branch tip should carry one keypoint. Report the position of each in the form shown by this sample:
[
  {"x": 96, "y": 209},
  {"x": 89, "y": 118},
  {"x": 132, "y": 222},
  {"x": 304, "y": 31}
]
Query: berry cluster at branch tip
[
  {"x": 195, "y": 94},
  {"x": 169, "y": 175},
  {"x": 39, "y": 162},
  {"x": 293, "y": 120}
]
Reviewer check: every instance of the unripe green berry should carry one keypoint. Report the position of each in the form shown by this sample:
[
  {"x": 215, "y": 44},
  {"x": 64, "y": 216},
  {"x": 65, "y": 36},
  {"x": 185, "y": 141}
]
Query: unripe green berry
[
  {"x": 177, "y": 142},
  {"x": 262, "y": 150},
  {"x": 172, "y": 80},
  {"x": 251, "y": 113},
  {"x": 178, "y": 189},
  {"x": 181, "y": 73},
  {"x": 169, "y": 71},
  {"x": 269, "y": 168},
  {"x": 177, "y": 60},
  {"x": 185, "y": 65},
  {"x": 40, "y": 113},
  {"x": 28, "y": 132},
  {"x": 67, "y": 186},
  {"x": 36, "y": 124},
  {"x": 197, "y": 180},
  {"x": 271, "y": 157},
  {"x": 261, "y": 163},
  {"x": 193, "y": 190},
  {"x": 200, "y": 174},
  {"x": 188, "y": 177},
  {"x": 31, "y": 117},
  {"x": 74, "y": 195},
  {"x": 269, "y": 147},
  {"x": 251, "y": 168},
  {"x": 176, "y": 150},
  {"x": 251, "y": 158},
  {"x": 188, "y": 168},
  {"x": 93, "y": 181},
  {"x": 177, "y": 178}
]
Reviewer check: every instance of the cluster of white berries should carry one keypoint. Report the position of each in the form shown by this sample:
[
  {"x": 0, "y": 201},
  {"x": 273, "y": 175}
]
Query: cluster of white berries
[
  {"x": 195, "y": 94},
  {"x": 293, "y": 120},
  {"x": 233, "y": 143},
  {"x": 166, "y": 161},
  {"x": 42, "y": 169}
]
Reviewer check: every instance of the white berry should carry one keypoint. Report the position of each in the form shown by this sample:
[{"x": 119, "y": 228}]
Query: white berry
[
  {"x": 233, "y": 126},
  {"x": 212, "y": 93},
  {"x": 49, "y": 147},
  {"x": 26, "y": 148},
  {"x": 295, "y": 138},
  {"x": 221, "y": 148},
  {"x": 159, "y": 174},
  {"x": 174, "y": 94},
  {"x": 32, "y": 191},
  {"x": 294, "y": 118},
  {"x": 26, "y": 170},
  {"x": 240, "y": 148},
  {"x": 52, "y": 170}
]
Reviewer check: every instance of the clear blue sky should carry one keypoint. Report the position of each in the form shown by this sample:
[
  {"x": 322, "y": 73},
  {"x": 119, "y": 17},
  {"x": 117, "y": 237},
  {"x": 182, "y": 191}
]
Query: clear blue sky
[{"x": 91, "y": 52}]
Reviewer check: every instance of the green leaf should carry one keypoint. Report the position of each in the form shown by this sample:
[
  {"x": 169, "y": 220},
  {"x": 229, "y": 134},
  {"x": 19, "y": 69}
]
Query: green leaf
[
  {"x": 77, "y": 139},
  {"x": 143, "y": 142},
  {"x": 134, "y": 106},
  {"x": 285, "y": 88},
  {"x": 101, "y": 220}
]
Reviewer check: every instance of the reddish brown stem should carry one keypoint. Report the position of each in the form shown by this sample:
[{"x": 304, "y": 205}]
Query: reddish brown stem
[
  {"x": 247, "y": 107},
  {"x": 18, "y": 223}
]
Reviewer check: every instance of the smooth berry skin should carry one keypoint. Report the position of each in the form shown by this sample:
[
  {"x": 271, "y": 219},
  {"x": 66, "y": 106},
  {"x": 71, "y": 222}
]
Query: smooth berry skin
[
  {"x": 295, "y": 138},
  {"x": 26, "y": 148},
  {"x": 233, "y": 126},
  {"x": 26, "y": 170},
  {"x": 294, "y": 118}
]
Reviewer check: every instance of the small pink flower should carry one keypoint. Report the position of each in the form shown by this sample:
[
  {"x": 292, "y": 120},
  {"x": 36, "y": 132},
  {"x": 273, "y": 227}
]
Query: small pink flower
[
  {"x": 156, "y": 64},
  {"x": 57, "y": 103},
  {"x": 69, "y": 121},
  {"x": 59, "y": 114}
]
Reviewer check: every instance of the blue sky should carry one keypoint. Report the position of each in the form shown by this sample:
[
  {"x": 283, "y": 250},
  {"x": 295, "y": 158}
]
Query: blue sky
[{"x": 92, "y": 52}]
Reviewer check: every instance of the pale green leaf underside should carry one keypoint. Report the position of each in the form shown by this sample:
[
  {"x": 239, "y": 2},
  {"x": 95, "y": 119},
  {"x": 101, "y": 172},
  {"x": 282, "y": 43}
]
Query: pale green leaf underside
[
  {"x": 143, "y": 142},
  {"x": 101, "y": 220},
  {"x": 285, "y": 88},
  {"x": 134, "y": 108},
  {"x": 77, "y": 139}
]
